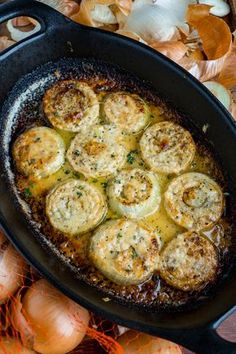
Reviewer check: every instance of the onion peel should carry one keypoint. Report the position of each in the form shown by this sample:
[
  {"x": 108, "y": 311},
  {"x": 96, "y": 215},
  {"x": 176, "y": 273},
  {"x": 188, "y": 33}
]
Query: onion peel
[
  {"x": 131, "y": 35},
  {"x": 175, "y": 50},
  {"x": 215, "y": 35},
  {"x": 196, "y": 12},
  {"x": 84, "y": 16},
  {"x": 5, "y": 42},
  {"x": 124, "y": 6},
  {"x": 216, "y": 42}
]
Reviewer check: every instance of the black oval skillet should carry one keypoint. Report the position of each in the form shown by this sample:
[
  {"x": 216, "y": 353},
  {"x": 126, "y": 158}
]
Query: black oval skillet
[{"x": 195, "y": 329}]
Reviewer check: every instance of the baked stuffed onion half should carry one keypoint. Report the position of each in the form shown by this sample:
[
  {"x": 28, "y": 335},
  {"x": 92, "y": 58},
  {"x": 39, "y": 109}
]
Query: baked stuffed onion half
[
  {"x": 134, "y": 193},
  {"x": 189, "y": 262},
  {"x": 38, "y": 152},
  {"x": 70, "y": 105},
  {"x": 127, "y": 111},
  {"x": 124, "y": 251},
  {"x": 194, "y": 201},
  {"x": 167, "y": 147},
  {"x": 97, "y": 152},
  {"x": 74, "y": 206}
]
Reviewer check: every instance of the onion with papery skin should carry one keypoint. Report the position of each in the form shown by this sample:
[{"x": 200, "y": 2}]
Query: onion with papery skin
[
  {"x": 13, "y": 346},
  {"x": 12, "y": 269},
  {"x": 47, "y": 320},
  {"x": 135, "y": 342}
]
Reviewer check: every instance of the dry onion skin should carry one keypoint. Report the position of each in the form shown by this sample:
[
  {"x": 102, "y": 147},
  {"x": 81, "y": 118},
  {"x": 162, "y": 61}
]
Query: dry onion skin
[
  {"x": 216, "y": 42},
  {"x": 139, "y": 343},
  {"x": 48, "y": 321},
  {"x": 12, "y": 269},
  {"x": 175, "y": 50},
  {"x": 5, "y": 42},
  {"x": 97, "y": 13},
  {"x": 13, "y": 346}
]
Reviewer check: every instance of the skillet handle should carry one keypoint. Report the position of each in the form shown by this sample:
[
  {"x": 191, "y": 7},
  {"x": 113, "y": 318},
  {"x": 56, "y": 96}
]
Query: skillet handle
[
  {"x": 44, "y": 14},
  {"x": 205, "y": 341}
]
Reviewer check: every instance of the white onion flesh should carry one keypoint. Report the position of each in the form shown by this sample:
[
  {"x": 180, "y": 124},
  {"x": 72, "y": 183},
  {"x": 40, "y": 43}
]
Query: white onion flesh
[
  {"x": 219, "y": 7},
  {"x": 220, "y": 92}
]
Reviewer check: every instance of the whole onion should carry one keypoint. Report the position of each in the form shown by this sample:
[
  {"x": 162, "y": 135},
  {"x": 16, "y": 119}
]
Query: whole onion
[{"x": 47, "y": 320}]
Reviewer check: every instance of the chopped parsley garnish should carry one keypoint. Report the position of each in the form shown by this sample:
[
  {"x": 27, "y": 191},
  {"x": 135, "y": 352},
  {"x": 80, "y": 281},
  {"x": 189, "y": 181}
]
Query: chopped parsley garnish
[
  {"x": 131, "y": 157},
  {"x": 37, "y": 139},
  {"x": 79, "y": 194},
  {"x": 119, "y": 235},
  {"x": 27, "y": 193},
  {"x": 77, "y": 152},
  {"x": 32, "y": 161},
  {"x": 134, "y": 253},
  {"x": 104, "y": 184}
]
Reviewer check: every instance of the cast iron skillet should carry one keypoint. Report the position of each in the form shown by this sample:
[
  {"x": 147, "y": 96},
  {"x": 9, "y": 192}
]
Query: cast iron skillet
[{"x": 60, "y": 37}]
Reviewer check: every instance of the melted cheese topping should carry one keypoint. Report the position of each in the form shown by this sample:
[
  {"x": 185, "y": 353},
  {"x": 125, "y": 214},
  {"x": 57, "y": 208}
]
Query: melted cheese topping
[
  {"x": 134, "y": 193},
  {"x": 189, "y": 262},
  {"x": 124, "y": 251},
  {"x": 127, "y": 111},
  {"x": 70, "y": 105},
  {"x": 97, "y": 152},
  {"x": 39, "y": 152},
  {"x": 194, "y": 201},
  {"x": 166, "y": 147},
  {"x": 75, "y": 206}
]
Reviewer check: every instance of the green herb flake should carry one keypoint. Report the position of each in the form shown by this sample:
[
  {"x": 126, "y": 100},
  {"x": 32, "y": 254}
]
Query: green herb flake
[
  {"x": 77, "y": 152},
  {"x": 67, "y": 172},
  {"x": 131, "y": 157},
  {"x": 134, "y": 253},
  {"x": 27, "y": 193},
  {"x": 79, "y": 194},
  {"x": 119, "y": 235},
  {"x": 104, "y": 184},
  {"x": 32, "y": 161},
  {"x": 37, "y": 139}
]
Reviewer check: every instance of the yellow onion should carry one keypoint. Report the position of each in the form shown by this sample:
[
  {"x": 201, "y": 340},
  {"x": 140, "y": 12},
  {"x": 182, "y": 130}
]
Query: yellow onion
[
  {"x": 12, "y": 269},
  {"x": 13, "y": 346},
  {"x": 47, "y": 320},
  {"x": 134, "y": 342}
]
